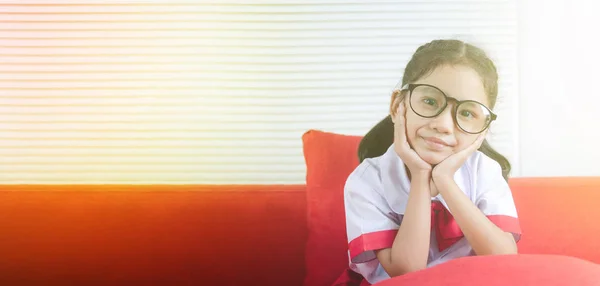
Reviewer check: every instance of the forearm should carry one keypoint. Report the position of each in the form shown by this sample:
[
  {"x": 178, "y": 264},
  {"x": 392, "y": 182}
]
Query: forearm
[
  {"x": 410, "y": 249},
  {"x": 484, "y": 236}
]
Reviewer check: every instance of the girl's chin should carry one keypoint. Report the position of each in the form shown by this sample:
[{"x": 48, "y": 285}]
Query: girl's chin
[{"x": 432, "y": 158}]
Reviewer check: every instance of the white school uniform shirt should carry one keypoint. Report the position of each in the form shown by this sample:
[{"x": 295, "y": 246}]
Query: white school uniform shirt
[{"x": 376, "y": 194}]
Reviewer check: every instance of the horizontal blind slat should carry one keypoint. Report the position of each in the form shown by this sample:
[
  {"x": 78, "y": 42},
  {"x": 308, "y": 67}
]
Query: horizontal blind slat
[{"x": 214, "y": 91}]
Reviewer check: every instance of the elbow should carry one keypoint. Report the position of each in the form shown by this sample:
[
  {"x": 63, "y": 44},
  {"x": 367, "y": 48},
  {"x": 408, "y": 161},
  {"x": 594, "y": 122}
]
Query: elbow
[
  {"x": 508, "y": 247},
  {"x": 505, "y": 245},
  {"x": 511, "y": 249},
  {"x": 401, "y": 262},
  {"x": 500, "y": 251},
  {"x": 402, "y": 271},
  {"x": 404, "y": 268}
]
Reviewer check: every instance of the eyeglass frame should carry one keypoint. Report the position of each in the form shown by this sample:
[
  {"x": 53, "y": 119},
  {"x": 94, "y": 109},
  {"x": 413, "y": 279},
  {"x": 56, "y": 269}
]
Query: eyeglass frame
[{"x": 411, "y": 86}]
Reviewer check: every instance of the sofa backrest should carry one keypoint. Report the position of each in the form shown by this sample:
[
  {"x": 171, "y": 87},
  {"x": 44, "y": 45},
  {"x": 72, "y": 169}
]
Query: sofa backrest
[
  {"x": 223, "y": 235},
  {"x": 559, "y": 215}
]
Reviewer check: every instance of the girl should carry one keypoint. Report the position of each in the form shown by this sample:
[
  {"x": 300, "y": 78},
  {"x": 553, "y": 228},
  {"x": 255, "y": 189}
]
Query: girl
[{"x": 439, "y": 191}]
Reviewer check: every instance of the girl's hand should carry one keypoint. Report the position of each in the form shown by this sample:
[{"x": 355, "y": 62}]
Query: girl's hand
[
  {"x": 449, "y": 166},
  {"x": 416, "y": 165}
]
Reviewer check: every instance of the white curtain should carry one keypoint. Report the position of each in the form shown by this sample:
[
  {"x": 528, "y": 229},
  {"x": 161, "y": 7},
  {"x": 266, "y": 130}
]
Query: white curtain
[{"x": 216, "y": 92}]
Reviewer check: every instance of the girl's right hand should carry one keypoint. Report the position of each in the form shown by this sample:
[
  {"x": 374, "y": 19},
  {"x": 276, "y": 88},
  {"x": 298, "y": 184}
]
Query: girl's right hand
[{"x": 416, "y": 165}]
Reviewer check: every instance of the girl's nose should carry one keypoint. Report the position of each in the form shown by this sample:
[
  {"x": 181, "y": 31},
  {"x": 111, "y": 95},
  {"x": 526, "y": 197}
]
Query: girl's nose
[{"x": 443, "y": 123}]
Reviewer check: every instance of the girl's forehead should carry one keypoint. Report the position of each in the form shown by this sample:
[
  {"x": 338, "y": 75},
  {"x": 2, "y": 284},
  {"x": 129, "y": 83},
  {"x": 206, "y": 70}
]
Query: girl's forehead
[{"x": 458, "y": 81}]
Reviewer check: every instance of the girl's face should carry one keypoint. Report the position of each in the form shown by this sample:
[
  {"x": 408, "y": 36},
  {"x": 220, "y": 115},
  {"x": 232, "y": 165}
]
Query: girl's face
[{"x": 434, "y": 139}]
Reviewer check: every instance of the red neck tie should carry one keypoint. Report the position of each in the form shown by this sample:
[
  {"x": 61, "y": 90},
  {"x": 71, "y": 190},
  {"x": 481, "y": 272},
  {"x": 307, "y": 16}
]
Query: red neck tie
[{"x": 447, "y": 231}]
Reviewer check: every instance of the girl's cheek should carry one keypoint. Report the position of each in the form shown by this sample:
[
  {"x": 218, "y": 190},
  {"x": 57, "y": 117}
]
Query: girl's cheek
[{"x": 464, "y": 141}]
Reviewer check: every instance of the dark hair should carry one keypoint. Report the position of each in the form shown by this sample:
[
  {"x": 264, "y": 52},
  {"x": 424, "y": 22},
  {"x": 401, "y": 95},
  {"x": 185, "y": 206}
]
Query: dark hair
[{"x": 427, "y": 58}]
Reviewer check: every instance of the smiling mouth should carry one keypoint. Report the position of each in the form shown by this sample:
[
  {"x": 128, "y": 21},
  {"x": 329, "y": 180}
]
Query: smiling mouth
[{"x": 435, "y": 144}]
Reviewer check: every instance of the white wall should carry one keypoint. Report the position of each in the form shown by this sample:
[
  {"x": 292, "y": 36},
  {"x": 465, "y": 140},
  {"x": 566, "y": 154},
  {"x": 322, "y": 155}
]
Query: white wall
[{"x": 559, "y": 91}]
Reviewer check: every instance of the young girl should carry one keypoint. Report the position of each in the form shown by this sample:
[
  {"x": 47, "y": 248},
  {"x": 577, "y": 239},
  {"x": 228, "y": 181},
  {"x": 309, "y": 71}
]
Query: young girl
[{"x": 438, "y": 192}]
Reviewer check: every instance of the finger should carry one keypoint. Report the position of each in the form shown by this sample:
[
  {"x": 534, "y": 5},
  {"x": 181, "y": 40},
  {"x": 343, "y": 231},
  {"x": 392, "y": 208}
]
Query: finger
[
  {"x": 402, "y": 129},
  {"x": 480, "y": 139},
  {"x": 399, "y": 95},
  {"x": 403, "y": 148},
  {"x": 400, "y": 125},
  {"x": 476, "y": 144}
]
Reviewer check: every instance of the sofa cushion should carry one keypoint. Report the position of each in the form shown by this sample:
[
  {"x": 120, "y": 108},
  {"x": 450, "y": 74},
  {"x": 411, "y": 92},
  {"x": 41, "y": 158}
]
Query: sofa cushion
[
  {"x": 548, "y": 270},
  {"x": 330, "y": 158}
]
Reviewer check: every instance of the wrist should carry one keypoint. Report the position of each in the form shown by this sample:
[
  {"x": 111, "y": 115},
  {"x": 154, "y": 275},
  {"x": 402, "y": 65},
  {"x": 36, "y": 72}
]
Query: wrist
[
  {"x": 442, "y": 180},
  {"x": 421, "y": 177},
  {"x": 440, "y": 175}
]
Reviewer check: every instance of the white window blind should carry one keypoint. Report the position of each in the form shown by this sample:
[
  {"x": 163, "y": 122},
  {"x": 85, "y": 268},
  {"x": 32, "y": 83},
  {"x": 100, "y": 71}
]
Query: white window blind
[{"x": 215, "y": 92}]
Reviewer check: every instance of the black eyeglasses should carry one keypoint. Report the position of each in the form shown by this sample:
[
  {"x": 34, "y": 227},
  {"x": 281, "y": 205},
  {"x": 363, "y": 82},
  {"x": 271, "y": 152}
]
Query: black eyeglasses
[{"x": 429, "y": 101}]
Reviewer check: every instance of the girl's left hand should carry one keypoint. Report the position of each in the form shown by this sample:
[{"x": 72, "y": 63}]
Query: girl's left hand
[{"x": 450, "y": 165}]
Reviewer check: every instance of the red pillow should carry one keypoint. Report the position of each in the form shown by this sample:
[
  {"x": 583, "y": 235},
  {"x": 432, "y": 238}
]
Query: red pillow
[
  {"x": 523, "y": 269},
  {"x": 330, "y": 158}
]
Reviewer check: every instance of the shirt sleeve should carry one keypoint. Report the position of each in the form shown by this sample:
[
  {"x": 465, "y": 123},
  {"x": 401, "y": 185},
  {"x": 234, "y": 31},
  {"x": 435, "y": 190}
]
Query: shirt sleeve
[
  {"x": 494, "y": 197},
  {"x": 370, "y": 222}
]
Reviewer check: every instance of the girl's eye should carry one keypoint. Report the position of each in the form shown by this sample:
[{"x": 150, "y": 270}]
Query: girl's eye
[
  {"x": 430, "y": 101},
  {"x": 467, "y": 114}
]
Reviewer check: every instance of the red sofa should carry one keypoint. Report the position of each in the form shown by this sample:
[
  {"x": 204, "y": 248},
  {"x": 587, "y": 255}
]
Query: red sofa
[
  {"x": 223, "y": 235},
  {"x": 241, "y": 235}
]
